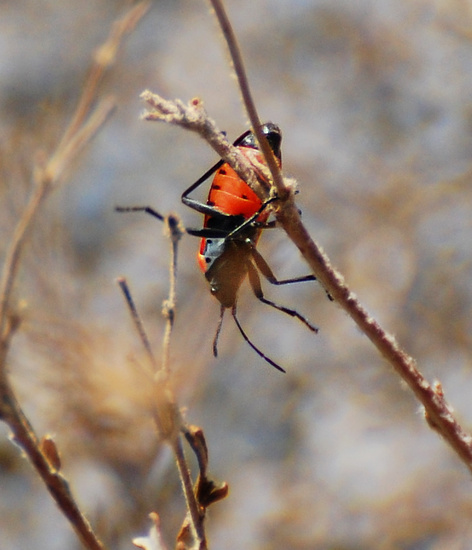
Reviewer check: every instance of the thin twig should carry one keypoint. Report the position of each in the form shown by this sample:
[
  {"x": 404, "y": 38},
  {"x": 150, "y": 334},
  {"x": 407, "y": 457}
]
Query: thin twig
[
  {"x": 45, "y": 178},
  {"x": 168, "y": 416},
  {"x": 123, "y": 284},
  {"x": 56, "y": 483},
  {"x": 176, "y": 231},
  {"x": 248, "y": 102},
  {"x": 194, "y": 511},
  {"x": 80, "y": 131},
  {"x": 12, "y": 258},
  {"x": 62, "y": 158},
  {"x": 437, "y": 410},
  {"x": 103, "y": 58}
]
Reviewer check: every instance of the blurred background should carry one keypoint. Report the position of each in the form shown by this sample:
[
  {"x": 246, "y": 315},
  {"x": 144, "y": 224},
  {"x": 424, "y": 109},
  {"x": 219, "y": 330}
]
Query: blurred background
[{"x": 374, "y": 99}]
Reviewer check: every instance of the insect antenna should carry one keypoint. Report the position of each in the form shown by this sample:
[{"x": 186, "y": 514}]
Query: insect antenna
[{"x": 256, "y": 349}]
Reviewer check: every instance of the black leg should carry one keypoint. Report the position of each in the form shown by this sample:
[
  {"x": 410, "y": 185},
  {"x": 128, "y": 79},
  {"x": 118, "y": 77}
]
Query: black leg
[
  {"x": 265, "y": 269},
  {"x": 217, "y": 333},
  {"x": 146, "y": 209},
  {"x": 252, "y": 219},
  {"x": 257, "y": 289},
  {"x": 206, "y": 209},
  {"x": 257, "y": 350},
  {"x": 208, "y": 233},
  {"x": 195, "y": 204}
]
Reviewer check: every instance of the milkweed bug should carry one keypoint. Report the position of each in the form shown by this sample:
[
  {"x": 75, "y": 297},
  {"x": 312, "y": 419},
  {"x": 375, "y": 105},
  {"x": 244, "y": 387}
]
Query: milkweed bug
[{"x": 234, "y": 217}]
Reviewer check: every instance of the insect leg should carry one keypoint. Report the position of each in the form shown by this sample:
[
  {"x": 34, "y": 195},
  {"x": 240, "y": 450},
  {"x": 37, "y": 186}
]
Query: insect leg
[
  {"x": 146, "y": 209},
  {"x": 256, "y": 349},
  {"x": 217, "y": 333},
  {"x": 206, "y": 209},
  {"x": 196, "y": 205},
  {"x": 208, "y": 233},
  {"x": 265, "y": 269},
  {"x": 257, "y": 289}
]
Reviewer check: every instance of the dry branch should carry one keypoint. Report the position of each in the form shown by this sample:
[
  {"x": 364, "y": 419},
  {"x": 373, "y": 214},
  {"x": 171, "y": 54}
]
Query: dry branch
[{"x": 167, "y": 416}]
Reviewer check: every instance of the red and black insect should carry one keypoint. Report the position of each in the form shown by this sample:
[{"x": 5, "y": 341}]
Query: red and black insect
[{"x": 234, "y": 219}]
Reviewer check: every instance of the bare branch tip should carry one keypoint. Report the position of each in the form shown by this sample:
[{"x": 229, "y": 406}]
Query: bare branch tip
[{"x": 174, "y": 228}]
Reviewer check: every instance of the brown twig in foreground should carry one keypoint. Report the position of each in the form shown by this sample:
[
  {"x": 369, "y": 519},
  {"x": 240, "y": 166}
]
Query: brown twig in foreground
[
  {"x": 10, "y": 410},
  {"x": 124, "y": 287},
  {"x": 167, "y": 416},
  {"x": 45, "y": 178},
  {"x": 83, "y": 126},
  {"x": 171, "y": 425}
]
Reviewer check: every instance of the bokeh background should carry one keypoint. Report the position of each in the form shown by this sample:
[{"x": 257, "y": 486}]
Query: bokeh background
[{"x": 374, "y": 98}]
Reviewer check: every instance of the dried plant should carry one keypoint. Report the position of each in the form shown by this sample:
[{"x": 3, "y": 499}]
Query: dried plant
[{"x": 47, "y": 175}]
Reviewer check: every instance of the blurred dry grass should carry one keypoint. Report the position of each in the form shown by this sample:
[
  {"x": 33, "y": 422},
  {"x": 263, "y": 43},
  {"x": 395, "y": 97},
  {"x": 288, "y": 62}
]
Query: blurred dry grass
[{"x": 374, "y": 100}]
